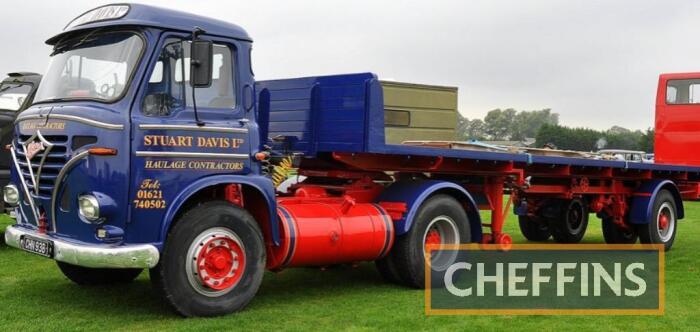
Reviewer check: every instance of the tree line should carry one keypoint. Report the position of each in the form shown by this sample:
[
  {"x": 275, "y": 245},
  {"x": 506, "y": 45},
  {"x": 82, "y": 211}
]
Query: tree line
[{"x": 543, "y": 125}]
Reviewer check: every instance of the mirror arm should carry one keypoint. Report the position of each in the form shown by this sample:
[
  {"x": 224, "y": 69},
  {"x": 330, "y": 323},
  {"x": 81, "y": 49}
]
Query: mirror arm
[{"x": 195, "y": 34}]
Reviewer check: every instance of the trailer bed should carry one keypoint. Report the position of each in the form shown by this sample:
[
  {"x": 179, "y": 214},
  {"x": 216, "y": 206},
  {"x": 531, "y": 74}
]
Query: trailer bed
[{"x": 345, "y": 113}]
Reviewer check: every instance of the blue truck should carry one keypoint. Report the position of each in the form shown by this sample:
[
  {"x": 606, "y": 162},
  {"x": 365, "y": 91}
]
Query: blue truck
[{"x": 150, "y": 145}]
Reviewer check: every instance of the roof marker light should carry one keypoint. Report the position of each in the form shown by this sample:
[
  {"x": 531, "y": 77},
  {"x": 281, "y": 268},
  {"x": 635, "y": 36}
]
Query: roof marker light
[{"x": 109, "y": 12}]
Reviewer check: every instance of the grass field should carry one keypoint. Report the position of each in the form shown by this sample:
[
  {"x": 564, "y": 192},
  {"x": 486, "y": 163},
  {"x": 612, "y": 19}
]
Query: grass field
[{"x": 35, "y": 296}]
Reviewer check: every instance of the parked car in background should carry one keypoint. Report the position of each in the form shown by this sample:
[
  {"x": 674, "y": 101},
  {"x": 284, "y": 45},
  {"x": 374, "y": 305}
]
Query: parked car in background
[
  {"x": 626, "y": 155},
  {"x": 16, "y": 94}
]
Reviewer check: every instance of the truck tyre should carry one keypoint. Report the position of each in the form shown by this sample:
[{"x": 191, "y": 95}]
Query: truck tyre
[
  {"x": 661, "y": 228},
  {"x": 387, "y": 269},
  {"x": 572, "y": 222},
  {"x": 213, "y": 261},
  {"x": 613, "y": 234},
  {"x": 439, "y": 220},
  {"x": 533, "y": 229},
  {"x": 87, "y": 276}
]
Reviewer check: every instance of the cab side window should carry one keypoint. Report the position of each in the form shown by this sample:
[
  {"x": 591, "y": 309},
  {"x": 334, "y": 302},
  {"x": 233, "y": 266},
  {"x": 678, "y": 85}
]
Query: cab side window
[
  {"x": 169, "y": 89},
  {"x": 683, "y": 92}
]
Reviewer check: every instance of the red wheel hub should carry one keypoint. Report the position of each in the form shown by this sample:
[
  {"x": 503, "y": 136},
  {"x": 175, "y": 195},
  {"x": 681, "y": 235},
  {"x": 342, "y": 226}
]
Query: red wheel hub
[
  {"x": 433, "y": 237},
  {"x": 663, "y": 221},
  {"x": 220, "y": 263}
]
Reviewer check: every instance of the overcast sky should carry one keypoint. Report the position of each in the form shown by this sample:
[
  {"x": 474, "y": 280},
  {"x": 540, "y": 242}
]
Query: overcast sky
[{"x": 596, "y": 63}]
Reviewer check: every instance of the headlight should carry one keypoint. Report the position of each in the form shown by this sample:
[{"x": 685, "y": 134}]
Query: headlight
[
  {"x": 10, "y": 194},
  {"x": 89, "y": 208}
]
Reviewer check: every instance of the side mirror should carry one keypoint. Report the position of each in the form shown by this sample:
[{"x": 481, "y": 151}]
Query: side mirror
[
  {"x": 201, "y": 58},
  {"x": 248, "y": 97}
]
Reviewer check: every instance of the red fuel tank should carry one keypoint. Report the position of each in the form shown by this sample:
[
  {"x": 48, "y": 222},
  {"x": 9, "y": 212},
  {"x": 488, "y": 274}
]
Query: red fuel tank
[{"x": 330, "y": 231}]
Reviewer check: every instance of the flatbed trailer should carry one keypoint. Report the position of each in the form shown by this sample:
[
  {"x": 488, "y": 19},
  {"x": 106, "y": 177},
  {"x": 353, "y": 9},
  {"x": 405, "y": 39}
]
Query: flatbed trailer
[
  {"x": 620, "y": 190},
  {"x": 114, "y": 176}
]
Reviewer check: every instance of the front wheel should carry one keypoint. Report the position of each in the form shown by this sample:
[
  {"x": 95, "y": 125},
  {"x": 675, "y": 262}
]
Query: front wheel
[
  {"x": 661, "y": 229},
  {"x": 440, "y": 220},
  {"x": 213, "y": 261},
  {"x": 87, "y": 276}
]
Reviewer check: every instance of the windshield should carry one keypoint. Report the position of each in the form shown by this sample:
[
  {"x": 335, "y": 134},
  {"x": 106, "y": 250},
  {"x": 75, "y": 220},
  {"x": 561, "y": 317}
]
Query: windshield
[
  {"x": 12, "y": 96},
  {"x": 94, "y": 66}
]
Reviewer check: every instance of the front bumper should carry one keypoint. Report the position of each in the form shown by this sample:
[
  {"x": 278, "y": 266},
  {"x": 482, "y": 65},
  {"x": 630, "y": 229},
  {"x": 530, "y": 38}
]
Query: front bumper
[{"x": 141, "y": 256}]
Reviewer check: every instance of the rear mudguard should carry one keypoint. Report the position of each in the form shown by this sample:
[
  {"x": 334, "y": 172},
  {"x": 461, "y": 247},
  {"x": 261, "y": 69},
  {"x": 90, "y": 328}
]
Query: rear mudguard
[
  {"x": 414, "y": 193},
  {"x": 642, "y": 206}
]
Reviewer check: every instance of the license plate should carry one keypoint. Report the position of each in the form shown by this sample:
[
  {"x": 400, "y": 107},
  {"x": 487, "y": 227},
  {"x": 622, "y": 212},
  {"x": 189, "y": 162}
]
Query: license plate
[{"x": 37, "y": 246}]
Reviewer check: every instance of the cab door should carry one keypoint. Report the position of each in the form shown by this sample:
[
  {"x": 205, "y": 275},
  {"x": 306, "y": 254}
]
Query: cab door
[{"x": 169, "y": 149}]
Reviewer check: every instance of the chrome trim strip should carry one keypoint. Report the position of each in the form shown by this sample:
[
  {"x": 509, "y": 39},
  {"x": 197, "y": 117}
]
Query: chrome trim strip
[
  {"x": 192, "y": 128},
  {"x": 57, "y": 183},
  {"x": 86, "y": 121},
  {"x": 141, "y": 256},
  {"x": 170, "y": 154},
  {"x": 24, "y": 186}
]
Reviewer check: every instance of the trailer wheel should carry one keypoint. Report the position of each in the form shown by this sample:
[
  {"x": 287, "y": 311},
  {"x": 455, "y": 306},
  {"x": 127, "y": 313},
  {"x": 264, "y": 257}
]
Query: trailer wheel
[
  {"x": 440, "y": 220},
  {"x": 213, "y": 261},
  {"x": 533, "y": 229},
  {"x": 662, "y": 228},
  {"x": 572, "y": 222},
  {"x": 97, "y": 276},
  {"x": 614, "y": 234}
]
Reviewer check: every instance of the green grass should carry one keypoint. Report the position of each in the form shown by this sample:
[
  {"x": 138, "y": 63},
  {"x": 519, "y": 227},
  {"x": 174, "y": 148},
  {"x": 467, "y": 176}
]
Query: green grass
[
  {"x": 35, "y": 296},
  {"x": 4, "y": 222}
]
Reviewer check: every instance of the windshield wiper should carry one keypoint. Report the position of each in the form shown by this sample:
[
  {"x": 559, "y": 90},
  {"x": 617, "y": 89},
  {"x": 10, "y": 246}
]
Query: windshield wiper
[
  {"x": 63, "y": 46},
  {"x": 53, "y": 100}
]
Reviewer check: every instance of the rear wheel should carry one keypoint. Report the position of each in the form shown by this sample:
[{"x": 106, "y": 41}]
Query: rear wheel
[
  {"x": 614, "y": 234},
  {"x": 213, "y": 261},
  {"x": 662, "y": 226},
  {"x": 534, "y": 229},
  {"x": 97, "y": 276},
  {"x": 387, "y": 269},
  {"x": 440, "y": 220},
  {"x": 572, "y": 222}
]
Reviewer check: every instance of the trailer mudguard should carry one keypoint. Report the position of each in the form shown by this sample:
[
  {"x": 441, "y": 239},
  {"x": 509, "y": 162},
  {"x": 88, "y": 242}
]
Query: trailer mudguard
[
  {"x": 259, "y": 183},
  {"x": 414, "y": 193},
  {"x": 644, "y": 197}
]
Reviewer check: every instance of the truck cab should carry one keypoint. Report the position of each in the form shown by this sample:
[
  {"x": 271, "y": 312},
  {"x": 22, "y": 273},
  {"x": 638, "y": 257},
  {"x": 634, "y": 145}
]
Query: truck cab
[
  {"x": 114, "y": 143},
  {"x": 115, "y": 105},
  {"x": 677, "y": 126},
  {"x": 16, "y": 94}
]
